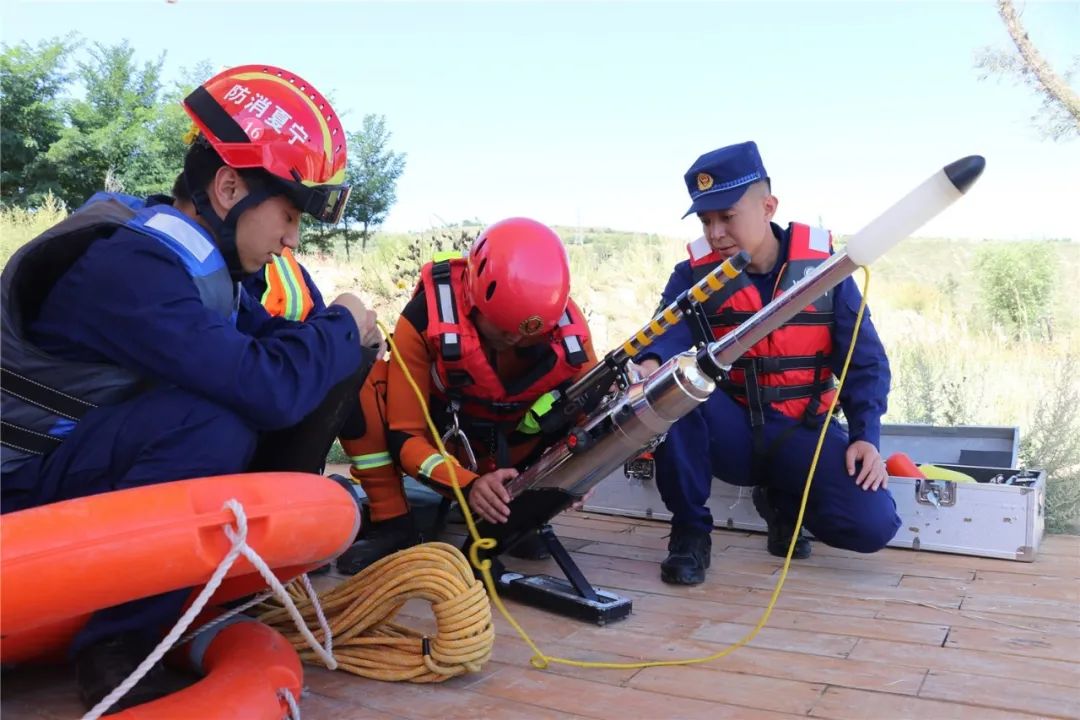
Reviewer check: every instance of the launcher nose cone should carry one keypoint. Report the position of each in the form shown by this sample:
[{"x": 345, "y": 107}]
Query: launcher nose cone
[{"x": 964, "y": 172}]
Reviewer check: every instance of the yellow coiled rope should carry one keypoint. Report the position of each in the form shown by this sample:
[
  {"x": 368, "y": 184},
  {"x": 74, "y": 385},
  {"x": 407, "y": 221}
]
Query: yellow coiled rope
[{"x": 361, "y": 611}]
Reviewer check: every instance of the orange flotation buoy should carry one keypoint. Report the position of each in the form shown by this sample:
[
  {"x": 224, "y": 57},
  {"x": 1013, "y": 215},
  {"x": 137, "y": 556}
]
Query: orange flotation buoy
[
  {"x": 247, "y": 666},
  {"x": 60, "y": 562}
]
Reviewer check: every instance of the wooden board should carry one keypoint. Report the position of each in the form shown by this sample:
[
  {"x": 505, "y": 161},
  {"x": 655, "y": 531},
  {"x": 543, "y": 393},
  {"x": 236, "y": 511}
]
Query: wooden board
[{"x": 895, "y": 634}]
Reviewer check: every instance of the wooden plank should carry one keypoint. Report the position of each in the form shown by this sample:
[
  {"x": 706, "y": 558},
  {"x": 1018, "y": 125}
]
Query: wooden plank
[
  {"x": 1031, "y": 607},
  {"x": 975, "y": 662},
  {"x": 446, "y": 701},
  {"x": 691, "y": 615},
  {"x": 645, "y": 577},
  {"x": 763, "y": 693},
  {"x": 1015, "y": 642},
  {"x": 596, "y": 700},
  {"x": 630, "y": 552},
  {"x": 1065, "y": 545},
  {"x": 1016, "y": 695},
  {"x": 315, "y": 705},
  {"x": 756, "y": 599},
  {"x": 513, "y": 651},
  {"x": 811, "y": 643},
  {"x": 615, "y": 523},
  {"x": 1055, "y": 565},
  {"x": 866, "y": 674},
  {"x": 878, "y": 562},
  {"x": 1050, "y": 593},
  {"x": 847, "y": 704},
  {"x": 980, "y": 620},
  {"x": 1041, "y": 586}
]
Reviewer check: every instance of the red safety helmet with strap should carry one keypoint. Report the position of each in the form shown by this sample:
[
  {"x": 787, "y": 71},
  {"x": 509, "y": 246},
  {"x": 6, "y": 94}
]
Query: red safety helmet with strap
[
  {"x": 519, "y": 276},
  {"x": 260, "y": 116}
]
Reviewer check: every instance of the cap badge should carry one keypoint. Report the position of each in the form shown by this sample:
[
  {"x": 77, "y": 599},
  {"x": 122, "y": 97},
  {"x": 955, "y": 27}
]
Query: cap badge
[{"x": 704, "y": 181}]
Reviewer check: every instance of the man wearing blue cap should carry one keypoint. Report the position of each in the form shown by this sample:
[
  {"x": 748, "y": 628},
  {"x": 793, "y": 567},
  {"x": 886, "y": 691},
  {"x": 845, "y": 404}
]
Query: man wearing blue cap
[{"x": 762, "y": 429}]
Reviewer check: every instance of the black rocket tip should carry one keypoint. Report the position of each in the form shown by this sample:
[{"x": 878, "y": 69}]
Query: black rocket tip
[{"x": 964, "y": 172}]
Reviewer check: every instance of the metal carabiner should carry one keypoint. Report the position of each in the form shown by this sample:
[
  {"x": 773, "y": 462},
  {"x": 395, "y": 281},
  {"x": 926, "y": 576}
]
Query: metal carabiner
[{"x": 455, "y": 432}]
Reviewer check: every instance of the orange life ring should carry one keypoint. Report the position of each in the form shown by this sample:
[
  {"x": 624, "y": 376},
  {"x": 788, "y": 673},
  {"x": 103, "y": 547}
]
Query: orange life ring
[
  {"x": 60, "y": 562},
  {"x": 246, "y": 665}
]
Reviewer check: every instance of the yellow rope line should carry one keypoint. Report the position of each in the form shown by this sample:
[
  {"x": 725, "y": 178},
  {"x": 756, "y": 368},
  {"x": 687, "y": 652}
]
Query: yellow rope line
[{"x": 361, "y": 610}]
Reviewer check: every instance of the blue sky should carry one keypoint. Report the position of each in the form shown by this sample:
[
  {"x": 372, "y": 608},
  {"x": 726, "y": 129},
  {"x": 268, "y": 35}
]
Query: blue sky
[{"x": 589, "y": 113}]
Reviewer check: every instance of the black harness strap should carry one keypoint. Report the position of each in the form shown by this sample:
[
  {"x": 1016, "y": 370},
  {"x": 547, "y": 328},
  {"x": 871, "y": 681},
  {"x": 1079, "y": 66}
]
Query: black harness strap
[{"x": 43, "y": 396}]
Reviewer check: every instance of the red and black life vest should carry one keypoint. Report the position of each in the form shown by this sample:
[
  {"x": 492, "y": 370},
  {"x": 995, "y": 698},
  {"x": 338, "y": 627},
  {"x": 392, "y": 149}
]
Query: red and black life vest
[
  {"x": 462, "y": 372},
  {"x": 789, "y": 368}
]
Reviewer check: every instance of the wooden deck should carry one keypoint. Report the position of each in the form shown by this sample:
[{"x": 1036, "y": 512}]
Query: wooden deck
[{"x": 898, "y": 634}]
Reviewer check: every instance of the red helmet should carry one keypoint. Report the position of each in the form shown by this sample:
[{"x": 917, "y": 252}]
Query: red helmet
[
  {"x": 259, "y": 116},
  {"x": 519, "y": 276}
]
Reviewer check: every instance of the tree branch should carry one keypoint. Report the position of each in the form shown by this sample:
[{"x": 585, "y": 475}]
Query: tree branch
[{"x": 1052, "y": 85}]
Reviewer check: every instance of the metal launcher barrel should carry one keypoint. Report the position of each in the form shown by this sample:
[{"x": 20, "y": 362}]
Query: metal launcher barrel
[{"x": 636, "y": 417}]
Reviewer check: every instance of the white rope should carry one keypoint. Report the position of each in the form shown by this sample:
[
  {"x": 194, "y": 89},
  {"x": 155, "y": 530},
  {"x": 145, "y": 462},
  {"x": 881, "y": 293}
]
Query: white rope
[
  {"x": 294, "y": 708},
  {"x": 224, "y": 617},
  {"x": 325, "y": 654},
  {"x": 328, "y": 640},
  {"x": 238, "y": 538}
]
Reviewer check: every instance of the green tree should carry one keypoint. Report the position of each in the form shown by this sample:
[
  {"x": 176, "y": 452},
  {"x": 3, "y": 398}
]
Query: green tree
[
  {"x": 119, "y": 133},
  {"x": 32, "y": 80},
  {"x": 373, "y": 172}
]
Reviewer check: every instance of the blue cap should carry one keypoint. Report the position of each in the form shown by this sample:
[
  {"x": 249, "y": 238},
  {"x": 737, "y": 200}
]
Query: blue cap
[{"x": 719, "y": 178}]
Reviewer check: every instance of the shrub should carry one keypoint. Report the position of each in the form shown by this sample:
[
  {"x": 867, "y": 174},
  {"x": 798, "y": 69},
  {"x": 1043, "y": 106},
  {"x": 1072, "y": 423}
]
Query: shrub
[{"x": 1016, "y": 283}]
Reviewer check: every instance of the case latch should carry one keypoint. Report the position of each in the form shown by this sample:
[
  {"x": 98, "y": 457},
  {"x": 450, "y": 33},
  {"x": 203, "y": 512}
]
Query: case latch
[{"x": 939, "y": 493}]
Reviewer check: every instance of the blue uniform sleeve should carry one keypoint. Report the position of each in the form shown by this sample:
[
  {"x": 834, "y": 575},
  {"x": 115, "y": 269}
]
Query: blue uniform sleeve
[
  {"x": 864, "y": 396},
  {"x": 255, "y": 284},
  {"x": 678, "y": 338},
  {"x": 318, "y": 304},
  {"x": 252, "y": 318},
  {"x": 130, "y": 301}
]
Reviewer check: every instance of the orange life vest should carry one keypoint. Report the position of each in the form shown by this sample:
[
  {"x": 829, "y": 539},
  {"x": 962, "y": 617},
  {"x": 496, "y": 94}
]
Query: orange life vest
[
  {"x": 462, "y": 372},
  {"x": 286, "y": 295},
  {"x": 789, "y": 368}
]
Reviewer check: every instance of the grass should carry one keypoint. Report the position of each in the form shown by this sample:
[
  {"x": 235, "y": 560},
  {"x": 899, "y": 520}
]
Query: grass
[{"x": 952, "y": 361}]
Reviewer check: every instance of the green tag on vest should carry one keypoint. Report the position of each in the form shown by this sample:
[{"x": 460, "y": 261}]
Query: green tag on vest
[{"x": 530, "y": 424}]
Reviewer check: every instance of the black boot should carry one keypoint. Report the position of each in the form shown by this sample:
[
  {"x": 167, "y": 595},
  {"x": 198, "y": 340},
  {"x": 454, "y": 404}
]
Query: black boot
[
  {"x": 102, "y": 666},
  {"x": 689, "y": 554},
  {"x": 780, "y": 531},
  {"x": 379, "y": 540}
]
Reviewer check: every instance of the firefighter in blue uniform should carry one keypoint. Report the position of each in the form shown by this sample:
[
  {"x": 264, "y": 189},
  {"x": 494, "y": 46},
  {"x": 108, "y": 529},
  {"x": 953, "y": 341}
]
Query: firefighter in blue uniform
[
  {"x": 761, "y": 426},
  {"x": 133, "y": 357}
]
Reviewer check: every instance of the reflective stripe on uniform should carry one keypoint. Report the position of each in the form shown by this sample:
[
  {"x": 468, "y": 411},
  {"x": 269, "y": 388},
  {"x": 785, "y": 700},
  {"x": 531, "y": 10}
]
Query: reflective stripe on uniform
[
  {"x": 427, "y": 468},
  {"x": 370, "y": 461}
]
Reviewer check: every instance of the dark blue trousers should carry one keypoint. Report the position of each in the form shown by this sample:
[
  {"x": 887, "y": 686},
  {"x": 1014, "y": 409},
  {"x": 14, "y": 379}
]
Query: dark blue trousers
[
  {"x": 716, "y": 439},
  {"x": 159, "y": 436}
]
